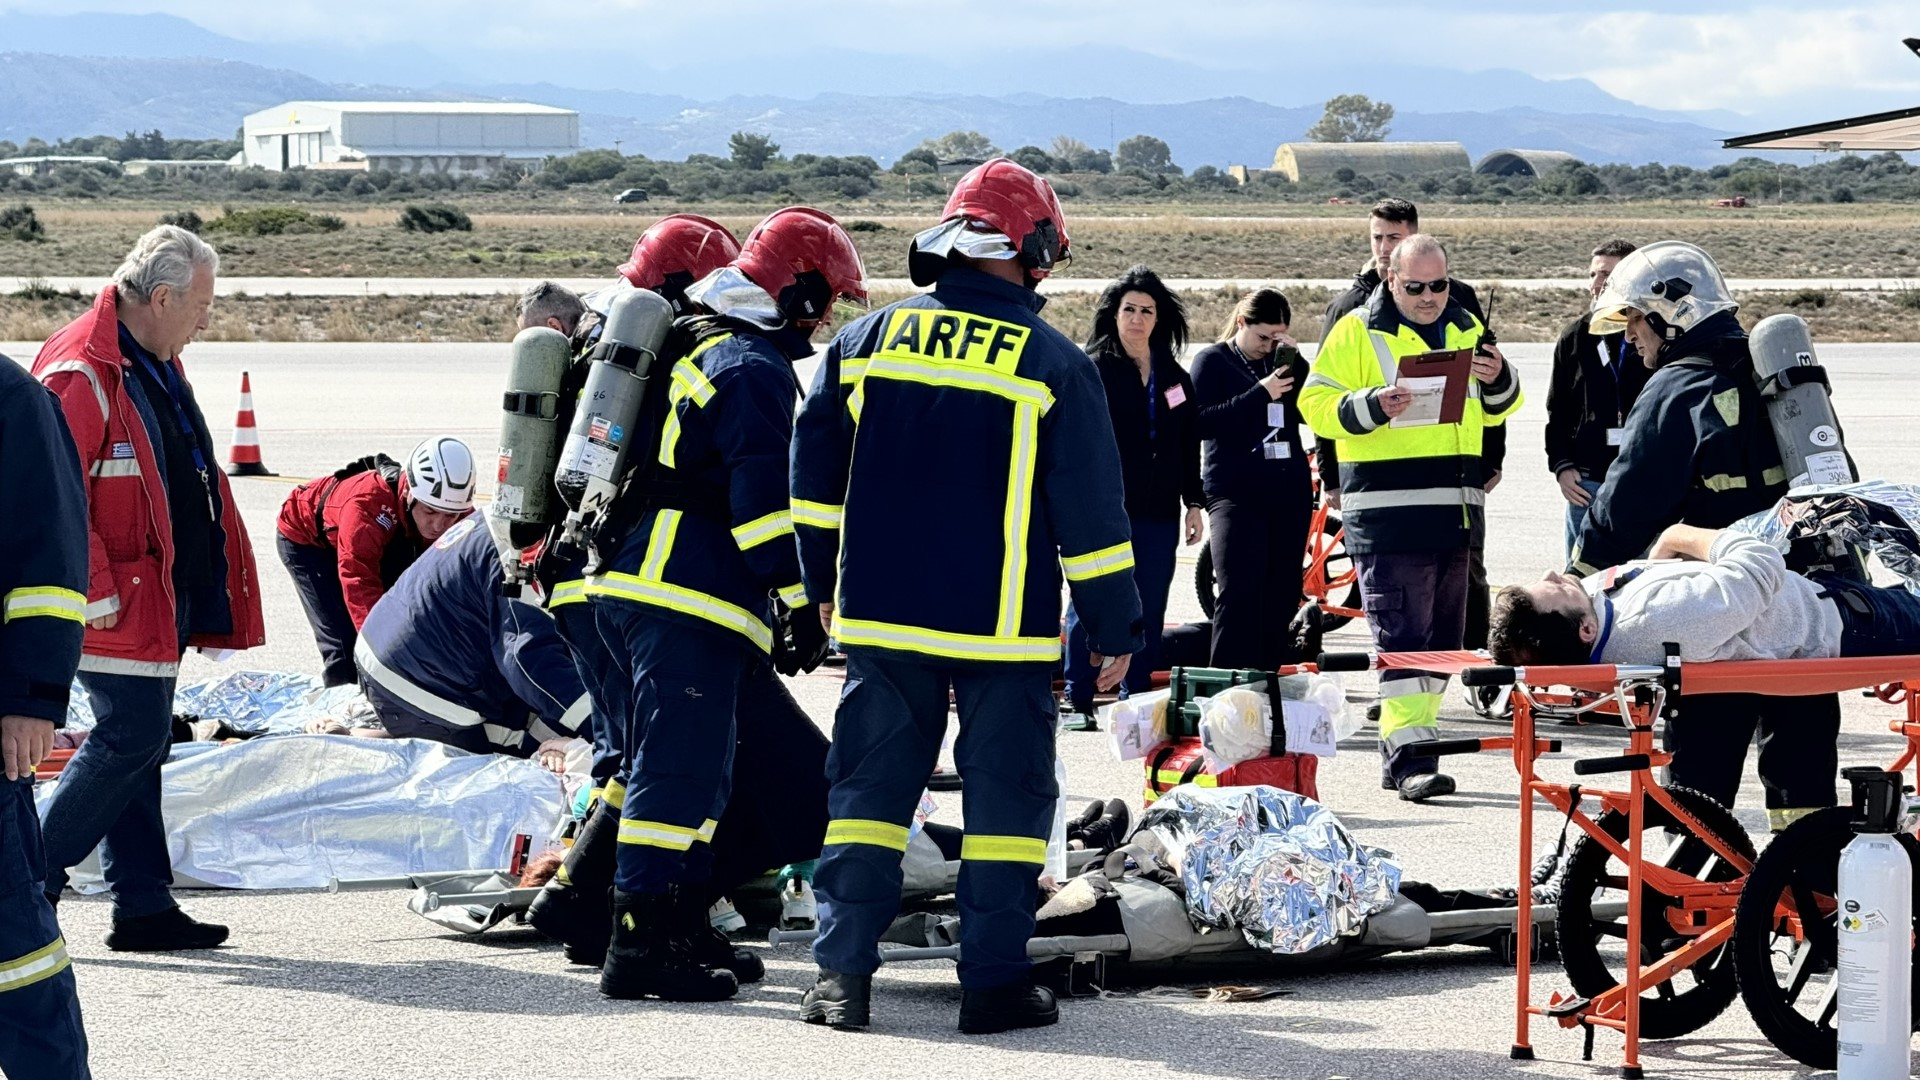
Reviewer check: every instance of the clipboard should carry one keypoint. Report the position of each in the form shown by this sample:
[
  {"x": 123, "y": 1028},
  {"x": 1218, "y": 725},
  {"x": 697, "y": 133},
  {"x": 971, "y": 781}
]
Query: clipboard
[{"x": 1439, "y": 383}]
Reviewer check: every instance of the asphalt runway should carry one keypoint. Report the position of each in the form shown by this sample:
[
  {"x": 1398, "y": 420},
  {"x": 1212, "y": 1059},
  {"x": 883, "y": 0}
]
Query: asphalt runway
[{"x": 323, "y": 986}]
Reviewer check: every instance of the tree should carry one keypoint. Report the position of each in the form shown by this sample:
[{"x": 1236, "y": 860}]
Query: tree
[
  {"x": 917, "y": 160},
  {"x": 1033, "y": 158},
  {"x": 1144, "y": 152},
  {"x": 751, "y": 151},
  {"x": 1352, "y": 118},
  {"x": 962, "y": 146}
]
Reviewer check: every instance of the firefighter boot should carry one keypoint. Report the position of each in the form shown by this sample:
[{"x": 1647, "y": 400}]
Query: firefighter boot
[
  {"x": 1004, "y": 1008},
  {"x": 572, "y": 908},
  {"x": 707, "y": 945},
  {"x": 839, "y": 1000},
  {"x": 644, "y": 960}
]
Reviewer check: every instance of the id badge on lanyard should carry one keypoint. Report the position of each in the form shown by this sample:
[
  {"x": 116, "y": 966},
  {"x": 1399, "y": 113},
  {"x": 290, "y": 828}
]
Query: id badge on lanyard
[{"x": 1617, "y": 434}]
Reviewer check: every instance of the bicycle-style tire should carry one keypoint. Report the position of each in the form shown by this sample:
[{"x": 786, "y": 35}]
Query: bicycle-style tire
[
  {"x": 1667, "y": 1010},
  {"x": 1803, "y": 860}
]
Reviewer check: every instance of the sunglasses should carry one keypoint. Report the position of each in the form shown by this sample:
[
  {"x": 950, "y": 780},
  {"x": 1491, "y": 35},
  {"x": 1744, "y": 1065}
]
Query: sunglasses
[{"x": 1415, "y": 288}]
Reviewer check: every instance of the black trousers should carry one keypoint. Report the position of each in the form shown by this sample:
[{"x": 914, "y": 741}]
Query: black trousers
[
  {"x": 1799, "y": 755},
  {"x": 316, "y": 577},
  {"x": 1479, "y": 603},
  {"x": 1259, "y": 558}
]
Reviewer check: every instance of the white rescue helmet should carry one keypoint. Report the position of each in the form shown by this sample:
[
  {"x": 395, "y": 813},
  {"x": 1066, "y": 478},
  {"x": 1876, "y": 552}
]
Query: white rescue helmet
[
  {"x": 1674, "y": 284},
  {"x": 440, "y": 473}
]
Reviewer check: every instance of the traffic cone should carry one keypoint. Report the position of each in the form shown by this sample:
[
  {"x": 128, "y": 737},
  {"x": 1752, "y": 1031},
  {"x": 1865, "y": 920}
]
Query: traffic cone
[{"x": 243, "y": 459}]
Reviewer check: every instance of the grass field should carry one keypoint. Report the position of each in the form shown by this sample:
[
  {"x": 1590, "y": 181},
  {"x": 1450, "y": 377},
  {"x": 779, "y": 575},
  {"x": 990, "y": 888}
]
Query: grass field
[
  {"x": 1519, "y": 315},
  {"x": 1862, "y": 240}
]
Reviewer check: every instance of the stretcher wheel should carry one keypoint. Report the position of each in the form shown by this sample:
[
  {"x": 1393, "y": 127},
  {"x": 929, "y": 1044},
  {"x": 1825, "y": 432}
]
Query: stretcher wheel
[
  {"x": 1693, "y": 997},
  {"x": 1338, "y": 564},
  {"x": 1787, "y": 974}
]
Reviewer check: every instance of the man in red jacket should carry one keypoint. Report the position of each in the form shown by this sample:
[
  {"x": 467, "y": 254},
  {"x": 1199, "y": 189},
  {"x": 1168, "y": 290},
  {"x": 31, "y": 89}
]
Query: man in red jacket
[
  {"x": 169, "y": 563},
  {"x": 346, "y": 537}
]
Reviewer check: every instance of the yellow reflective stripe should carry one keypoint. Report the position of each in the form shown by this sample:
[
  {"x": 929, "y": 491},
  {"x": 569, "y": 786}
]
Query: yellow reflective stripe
[
  {"x": 793, "y": 596},
  {"x": 1779, "y": 819},
  {"x": 919, "y": 369},
  {"x": 1019, "y": 518},
  {"x": 818, "y": 515},
  {"x": 568, "y": 592},
  {"x": 1775, "y": 475},
  {"x": 942, "y": 643},
  {"x": 615, "y": 795},
  {"x": 687, "y": 602},
  {"x": 1178, "y": 776},
  {"x": 1095, "y": 564},
  {"x": 861, "y": 831},
  {"x": 666, "y": 528},
  {"x": 762, "y": 529},
  {"x": 115, "y": 467},
  {"x": 46, "y": 601},
  {"x": 1020, "y": 849},
  {"x": 857, "y": 401},
  {"x": 851, "y": 371},
  {"x": 39, "y": 964},
  {"x": 662, "y": 834},
  {"x": 689, "y": 381},
  {"x": 1724, "y": 482}
]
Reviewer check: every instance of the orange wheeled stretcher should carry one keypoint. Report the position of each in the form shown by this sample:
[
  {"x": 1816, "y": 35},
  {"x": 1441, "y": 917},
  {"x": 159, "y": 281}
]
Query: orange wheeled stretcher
[{"x": 1682, "y": 908}]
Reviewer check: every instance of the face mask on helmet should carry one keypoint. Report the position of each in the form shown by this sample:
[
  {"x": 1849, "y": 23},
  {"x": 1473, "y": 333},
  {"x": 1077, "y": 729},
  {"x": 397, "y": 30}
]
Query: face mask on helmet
[{"x": 1676, "y": 285}]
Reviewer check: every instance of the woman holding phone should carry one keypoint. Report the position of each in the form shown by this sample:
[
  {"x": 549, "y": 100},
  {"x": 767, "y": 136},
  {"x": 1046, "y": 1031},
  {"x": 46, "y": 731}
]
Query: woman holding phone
[{"x": 1259, "y": 495}]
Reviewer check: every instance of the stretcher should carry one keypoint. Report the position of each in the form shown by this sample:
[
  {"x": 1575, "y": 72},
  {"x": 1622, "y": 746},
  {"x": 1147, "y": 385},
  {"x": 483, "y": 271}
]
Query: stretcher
[{"x": 1681, "y": 909}]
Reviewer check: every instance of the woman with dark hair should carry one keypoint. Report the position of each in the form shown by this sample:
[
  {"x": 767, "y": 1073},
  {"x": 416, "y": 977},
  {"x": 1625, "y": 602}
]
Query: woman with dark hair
[
  {"x": 1259, "y": 496},
  {"x": 1139, "y": 328}
]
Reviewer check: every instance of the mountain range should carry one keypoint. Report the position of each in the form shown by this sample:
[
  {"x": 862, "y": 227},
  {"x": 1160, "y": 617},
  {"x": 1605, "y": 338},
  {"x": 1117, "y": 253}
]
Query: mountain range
[{"x": 157, "y": 71}]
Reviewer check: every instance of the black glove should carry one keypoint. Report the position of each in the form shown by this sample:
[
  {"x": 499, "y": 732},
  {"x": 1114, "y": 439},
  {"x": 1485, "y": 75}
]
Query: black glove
[{"x": 800, "y": 642}]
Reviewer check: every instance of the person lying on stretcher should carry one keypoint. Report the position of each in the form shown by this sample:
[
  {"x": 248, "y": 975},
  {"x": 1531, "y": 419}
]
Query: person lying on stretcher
[{"x": 1720, "y": 595}]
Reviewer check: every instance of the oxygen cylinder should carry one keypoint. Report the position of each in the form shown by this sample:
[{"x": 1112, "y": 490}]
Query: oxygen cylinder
[
  {"x": 622, "y": 368},
  {"x": 1798, "y": 403},
  {"x": 523, "y": 503},
  {"x": 1875, "y": 1007}
]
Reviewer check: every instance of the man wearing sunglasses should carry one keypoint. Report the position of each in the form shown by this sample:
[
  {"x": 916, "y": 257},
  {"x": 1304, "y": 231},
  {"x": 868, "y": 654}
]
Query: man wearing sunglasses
[{"x": 1413, "y": 493}]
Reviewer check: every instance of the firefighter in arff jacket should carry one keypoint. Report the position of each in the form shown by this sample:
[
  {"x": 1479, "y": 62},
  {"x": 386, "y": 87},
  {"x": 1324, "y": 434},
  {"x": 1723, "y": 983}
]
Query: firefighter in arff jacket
[
  {"x": 686, "y": 602},
  {"x": 43, "y": 591},
  {"x": 346, "y": 537},
  {"x": 1698, "y": 449},
  {"x": 952, "y": 460}
]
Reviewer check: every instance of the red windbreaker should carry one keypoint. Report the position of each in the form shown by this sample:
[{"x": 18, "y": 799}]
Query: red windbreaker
[
  {"x": 365, "y": 516},
  {"x": 129, "y": 532}
]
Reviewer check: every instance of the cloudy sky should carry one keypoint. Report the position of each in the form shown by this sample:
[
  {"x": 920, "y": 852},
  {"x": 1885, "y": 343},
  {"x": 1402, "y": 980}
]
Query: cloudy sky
[{"x": 1754, "y": 58}]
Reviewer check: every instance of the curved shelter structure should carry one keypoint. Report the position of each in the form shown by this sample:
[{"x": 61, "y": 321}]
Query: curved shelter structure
[
  {"x": 1321, "y": 161},
  {"x": 1523, "y": 162}
]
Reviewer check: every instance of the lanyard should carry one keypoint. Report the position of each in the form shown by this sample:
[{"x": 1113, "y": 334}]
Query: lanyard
[
  {"x": 1153, "y": 402},
  {"x": 1606, "y": 629},
  {"x": 169, "y": 380},
  {"x": 1613, "y": 366}
]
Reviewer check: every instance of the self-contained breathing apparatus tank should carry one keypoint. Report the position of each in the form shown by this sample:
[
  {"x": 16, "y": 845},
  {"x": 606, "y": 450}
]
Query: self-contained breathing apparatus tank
[
  {"x": 523, "y": 506},
  {"x": 622, "y": 368},
  {"x": 1798, "y": 400}
]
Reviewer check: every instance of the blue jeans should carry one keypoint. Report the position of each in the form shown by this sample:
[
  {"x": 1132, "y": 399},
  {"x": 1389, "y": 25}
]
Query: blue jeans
[
  {"x": 1154, "y": 545},
  {"x": 109, "y": 795},
  {"x": 1875, "y": 621},
  {"x": 1577, "y": 515}
]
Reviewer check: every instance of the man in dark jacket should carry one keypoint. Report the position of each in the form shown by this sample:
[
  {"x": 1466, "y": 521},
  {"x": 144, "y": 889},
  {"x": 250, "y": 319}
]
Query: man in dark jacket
[
  {"x": 1389, "y": 222},
  {"x": 43, "y": 589},
  {"x": 1698, "y": 449},
  {"x": 444, "y": 656},
  {"x": 1595, "y": 382}
]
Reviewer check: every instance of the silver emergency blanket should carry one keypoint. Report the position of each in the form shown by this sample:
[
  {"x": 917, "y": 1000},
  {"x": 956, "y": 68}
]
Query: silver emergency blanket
[
  {"x": 1277, "y": 866},
  {"x": 293, "y": 812},
  {"x": 256, "y": 702},
  {"x": 1873, "y": 518},
  {"x": 467, "y": 918}
]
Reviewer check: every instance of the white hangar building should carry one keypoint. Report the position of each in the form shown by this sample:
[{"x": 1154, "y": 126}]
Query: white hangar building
[{"x": 459, "y": 138}]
